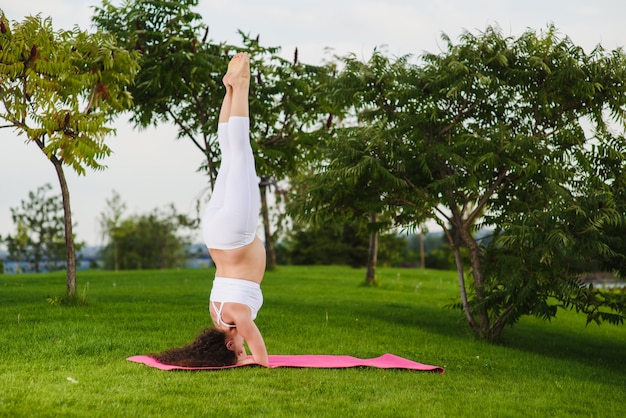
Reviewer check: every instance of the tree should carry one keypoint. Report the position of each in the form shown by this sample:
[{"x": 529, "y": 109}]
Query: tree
[
  {"x": 501, "y": 142},
  {"x": 353, "y": 181},
  {"x": 428, "y": 250},
  {"x": 60, "y": 89},
  {"x": 149, "y": 241},
  {"x": 287, "y": 111},
  {"x": 327, "y": 246},
  {"x": 19, "y": 244},
  {"x": 180, "y": 80},
  {"x": 513, "y": 135},
  {"x": 39, "y": 223},
  {"x": 495, "y": 137},
  {"x": 340, "y": 245},
  {"x": 110, "y": 222}
]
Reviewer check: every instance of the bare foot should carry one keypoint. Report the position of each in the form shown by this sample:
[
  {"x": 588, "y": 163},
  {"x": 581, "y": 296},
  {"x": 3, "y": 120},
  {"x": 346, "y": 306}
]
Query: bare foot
[
  {"x": 226, "y": 80},
  {"x": 238, "y": 70}
]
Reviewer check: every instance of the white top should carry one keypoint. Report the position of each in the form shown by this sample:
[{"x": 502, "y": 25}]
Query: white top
[{"x": 238, "y": 291}]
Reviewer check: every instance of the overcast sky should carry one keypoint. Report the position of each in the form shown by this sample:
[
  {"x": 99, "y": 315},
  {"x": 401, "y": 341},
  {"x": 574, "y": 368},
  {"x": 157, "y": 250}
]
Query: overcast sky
[{"x": 151, "y": 169}]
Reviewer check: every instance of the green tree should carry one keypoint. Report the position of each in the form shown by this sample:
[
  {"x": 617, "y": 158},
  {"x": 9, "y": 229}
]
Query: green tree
[
  {"x": 149, "y": 241},
  {"x": 110, "y": 222},
  {"x": 180, "y": 80},
  {"x": 353, "y": 181},
  {"x": 39, "y": 223},
  {"x": 501, "y": 142},
  {"x": 511, "y": 135},
  {"x": 609, "y": 162},
  {"x": 431, "y": 249},
  {"x": 287, "y": 110},
  {"x": 338, "y": 245},
  {"x": 327, "y": 246},
  {"x": 19, "y": 244},
  {"x": 60, "y": 89},
  {"x": 497, "y": 139}
]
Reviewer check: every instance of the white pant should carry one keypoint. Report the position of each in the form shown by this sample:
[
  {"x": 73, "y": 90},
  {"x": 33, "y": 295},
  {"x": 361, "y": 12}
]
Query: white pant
[{"x": 231, "y": 217}]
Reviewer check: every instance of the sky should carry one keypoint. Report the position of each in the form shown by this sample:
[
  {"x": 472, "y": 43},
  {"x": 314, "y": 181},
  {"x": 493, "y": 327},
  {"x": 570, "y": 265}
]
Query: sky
[{"x": 151, "y": 169}]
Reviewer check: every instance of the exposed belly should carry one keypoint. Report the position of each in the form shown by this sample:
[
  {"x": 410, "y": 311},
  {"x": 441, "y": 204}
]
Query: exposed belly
[{"x": 247, "y": 263}]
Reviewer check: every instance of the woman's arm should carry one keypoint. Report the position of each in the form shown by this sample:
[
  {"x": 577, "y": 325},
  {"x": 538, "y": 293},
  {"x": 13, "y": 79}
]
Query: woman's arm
[
  {"x": 240, "y": 316},
  {"x": 251, "y": 334}
]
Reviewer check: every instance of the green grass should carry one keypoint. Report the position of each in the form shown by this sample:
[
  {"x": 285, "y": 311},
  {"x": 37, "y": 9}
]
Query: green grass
[{"x": 70, "y": 361}]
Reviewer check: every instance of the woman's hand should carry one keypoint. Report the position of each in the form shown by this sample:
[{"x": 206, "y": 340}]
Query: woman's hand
[{"x": 247, "y": 360}]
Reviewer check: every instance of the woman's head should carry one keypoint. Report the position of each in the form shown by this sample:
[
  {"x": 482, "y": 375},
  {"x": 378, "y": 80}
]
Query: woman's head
[
  {"x": 209, "y": 349},
  {"x": 234, "y": 342}
]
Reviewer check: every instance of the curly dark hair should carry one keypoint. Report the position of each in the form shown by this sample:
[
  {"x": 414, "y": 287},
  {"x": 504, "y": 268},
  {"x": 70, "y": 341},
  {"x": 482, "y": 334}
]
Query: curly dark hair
[{"x": 207, "y": 350}]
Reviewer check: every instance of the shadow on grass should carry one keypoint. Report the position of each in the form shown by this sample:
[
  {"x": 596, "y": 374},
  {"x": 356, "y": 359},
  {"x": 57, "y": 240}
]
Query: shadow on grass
[
  {"x": 377, "y": 316},
  {"x": 531, "y": 336},
  {"x": 583, "y": 345}
]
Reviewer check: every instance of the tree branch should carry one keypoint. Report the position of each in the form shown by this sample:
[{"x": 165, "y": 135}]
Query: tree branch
[
  {"x": 483, "y": 200},
  {"x": 456, "y": 119},
  {"x": 185, "y": 129}
]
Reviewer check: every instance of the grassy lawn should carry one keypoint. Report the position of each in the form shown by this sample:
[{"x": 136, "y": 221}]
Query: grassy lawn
[{"x": 70, "y": 361}]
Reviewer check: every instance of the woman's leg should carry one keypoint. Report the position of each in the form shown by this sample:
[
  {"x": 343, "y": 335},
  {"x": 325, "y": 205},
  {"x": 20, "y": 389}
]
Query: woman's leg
[
  {"x": 231, "y": 217},
  {"x": 233, "y": 105},
  {"x": 219, "y": 190},
  {"x": 242, "y": 197}
]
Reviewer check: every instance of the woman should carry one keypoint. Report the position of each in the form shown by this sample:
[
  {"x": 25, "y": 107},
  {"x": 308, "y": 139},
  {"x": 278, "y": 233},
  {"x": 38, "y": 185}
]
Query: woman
[{"x": 229, "y": 230}]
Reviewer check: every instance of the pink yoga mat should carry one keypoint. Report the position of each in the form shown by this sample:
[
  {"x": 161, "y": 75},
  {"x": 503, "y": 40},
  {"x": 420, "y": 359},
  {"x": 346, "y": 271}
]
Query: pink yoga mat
[{"x": 318, "y": 361}]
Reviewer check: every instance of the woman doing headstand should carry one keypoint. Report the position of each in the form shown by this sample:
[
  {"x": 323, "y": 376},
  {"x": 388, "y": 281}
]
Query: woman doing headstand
[
  {"x": 229, "y": 230},
  {"x": 230, "y": 220}
]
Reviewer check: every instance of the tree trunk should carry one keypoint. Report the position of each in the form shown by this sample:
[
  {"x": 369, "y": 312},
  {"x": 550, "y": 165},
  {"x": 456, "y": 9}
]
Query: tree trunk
[
  {"x": 422, "y": 256},
  {"x": 464, "y": 301},
  {"x": 37, "y": 254},
  {"x": 479, "y": 283},
  {"x": 269, "y": 242},
  {"x": 458, "y": 261},
  {"x": 372, "y": 254},
  {"x": 116, "y": 256},
  {"x": 18, "y": 269},
  {"x": 69, "y": 235}
]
